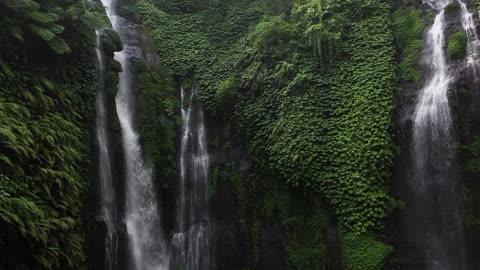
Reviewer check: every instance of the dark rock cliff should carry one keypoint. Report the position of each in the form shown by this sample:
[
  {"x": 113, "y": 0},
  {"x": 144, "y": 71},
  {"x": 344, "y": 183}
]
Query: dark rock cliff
[{"x": 96, "y": 225}]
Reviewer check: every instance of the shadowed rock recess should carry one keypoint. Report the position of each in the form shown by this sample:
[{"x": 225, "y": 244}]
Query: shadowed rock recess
[{"x": 239, "y": 135}]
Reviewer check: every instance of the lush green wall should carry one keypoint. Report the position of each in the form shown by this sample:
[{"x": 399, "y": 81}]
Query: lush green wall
[
  {"x": 48, "y": 83},
  {"x": 307, "y": 87}
]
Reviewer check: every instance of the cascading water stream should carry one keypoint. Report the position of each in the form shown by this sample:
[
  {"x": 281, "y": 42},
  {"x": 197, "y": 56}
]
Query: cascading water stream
[
  {"x": 191, "y": 243},
  {"x": 473, "y": 44},
  {"x": 107, "y": 193},
  {"x": 147, "y": 247},
  {"x": 438, "y": 231},
  {"x": 433, "y": 111}
]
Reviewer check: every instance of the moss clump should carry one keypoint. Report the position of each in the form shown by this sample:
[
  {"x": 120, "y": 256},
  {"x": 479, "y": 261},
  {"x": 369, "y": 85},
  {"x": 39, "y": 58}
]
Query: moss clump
[
  {"x": 457, "y": 45},
  {"x": 408, "y": 27},
  {"x": 110, "y": 41},
  {"x": 363, "y": 252},
  {"x": 452, "y": 7},
  {"x": 305, "y": 227},
  {"x": 157, "y": 105}
]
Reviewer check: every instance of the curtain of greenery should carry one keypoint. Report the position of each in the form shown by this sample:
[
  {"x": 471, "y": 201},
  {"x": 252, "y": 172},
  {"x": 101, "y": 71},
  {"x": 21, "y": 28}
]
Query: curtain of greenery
[{"x": 48, "y": 84}]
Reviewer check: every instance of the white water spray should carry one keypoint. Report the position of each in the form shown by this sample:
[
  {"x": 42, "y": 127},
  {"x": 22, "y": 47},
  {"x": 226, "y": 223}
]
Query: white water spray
[
  {"x": 432, "y": 112},
  {"x": 107, "y": 191},
  {"x": 191, "y": 243},
  {"x": 438, "y": 232},
  {"x": 473, "y": 42},
  {"x": 147, "y": 247}
]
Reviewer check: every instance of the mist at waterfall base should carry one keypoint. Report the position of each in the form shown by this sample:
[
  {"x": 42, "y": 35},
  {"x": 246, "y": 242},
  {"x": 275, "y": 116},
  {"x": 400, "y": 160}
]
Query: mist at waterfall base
[
  {"x": 147, "y": 248},
  {"x": 191, "y": 243},
  {"x": 439, "y": 230}
]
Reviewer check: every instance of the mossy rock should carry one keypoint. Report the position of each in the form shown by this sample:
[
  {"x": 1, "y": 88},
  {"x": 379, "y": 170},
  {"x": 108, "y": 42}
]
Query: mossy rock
[
  {"x": 408, "y": 26},
  {"x": 363, "y": 252},
  {"x": 457, "y": 45},
  {"x": 110, "y": 41},
  {"x": 452, "y": 7}
]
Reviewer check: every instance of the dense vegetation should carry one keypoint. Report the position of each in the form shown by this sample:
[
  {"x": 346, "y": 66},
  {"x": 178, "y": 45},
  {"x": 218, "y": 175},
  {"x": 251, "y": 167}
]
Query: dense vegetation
[
  {"x": 408, "y": 26},
  {"x": 48, "y": 83},
  {"x": 305, "y": 87},
  {"x": 457, "y": 45},
  {"x": 310, "y": 86}
]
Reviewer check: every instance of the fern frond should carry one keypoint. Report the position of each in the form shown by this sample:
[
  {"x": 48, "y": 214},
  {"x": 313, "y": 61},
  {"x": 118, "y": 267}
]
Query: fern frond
[
  {"x": 55, "y": 28},
  {"x": 25, "y": 5},
  {"x": 59, "y": 45},
  {"x": 5, "y": 160},
  {"x": 16, "y": 32},
  {"x": 43, "y": 33},
  {"x": 94, "y": 21},
  {"x": 41, "y": 17}
]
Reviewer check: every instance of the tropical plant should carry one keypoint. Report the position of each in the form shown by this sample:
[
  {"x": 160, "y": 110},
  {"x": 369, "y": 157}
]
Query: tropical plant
[{"x": 22, "y": 19}]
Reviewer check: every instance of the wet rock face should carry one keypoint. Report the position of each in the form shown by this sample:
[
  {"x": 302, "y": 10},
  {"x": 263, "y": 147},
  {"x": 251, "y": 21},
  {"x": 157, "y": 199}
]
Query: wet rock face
[
  {"x": 233, "y": 236},
  {"x": 96, "y": 226},
  {"x": 466, "y": 108},
  {"x": 464, "y": 98},
  {"x": 97, "y": 229}
]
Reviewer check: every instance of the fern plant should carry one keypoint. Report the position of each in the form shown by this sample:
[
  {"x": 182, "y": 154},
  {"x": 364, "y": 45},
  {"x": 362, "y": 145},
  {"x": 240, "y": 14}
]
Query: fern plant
[
  {"x": 21, "y": 18},
  {"x": 41, "y": 157}
]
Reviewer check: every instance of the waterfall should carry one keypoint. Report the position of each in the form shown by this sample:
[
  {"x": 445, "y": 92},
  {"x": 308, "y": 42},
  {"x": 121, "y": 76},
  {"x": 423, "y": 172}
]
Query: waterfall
[
  {"x": 438, "y": 230},
  {"x": 192, "y": 240},
  {"x": 432, "y": 113},
  {"x": 473, "y": 45},
  {"x": 147, "y": 248},
  {"x": 107, "y": 193}
]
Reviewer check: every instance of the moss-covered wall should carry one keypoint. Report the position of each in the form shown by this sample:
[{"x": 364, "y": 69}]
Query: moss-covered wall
[
  {"x": 311, "y": 104},
  {"x": 408, "y": 26},
  {"x": 299, "y": 97}
]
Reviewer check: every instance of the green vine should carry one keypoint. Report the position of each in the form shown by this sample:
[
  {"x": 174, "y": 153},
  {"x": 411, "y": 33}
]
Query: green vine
[{"x": 309, "y": 87}]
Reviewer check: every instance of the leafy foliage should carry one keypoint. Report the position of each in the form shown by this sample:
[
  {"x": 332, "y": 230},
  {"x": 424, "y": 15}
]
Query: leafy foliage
[
  {"x": 328, "y": 131},
  {"x": 361, "y": 144},
  {"x": 158, "y": 106},
  {"x": 42, "y": 152},
  {"x": 305, "y": 223},
  {"x": 45, "y": 109},
  {"x": 323, "y": 27},
  {"x": 309, "y": 85},
  {"x": 363, "y": 252},
  {"x": 457, "y": 45},
  {"x": 204, "y": 43},
  {"x": 26, "y": 20},
  {"x": 408, "y": 26},
  {"x": 452, "y": 7}
]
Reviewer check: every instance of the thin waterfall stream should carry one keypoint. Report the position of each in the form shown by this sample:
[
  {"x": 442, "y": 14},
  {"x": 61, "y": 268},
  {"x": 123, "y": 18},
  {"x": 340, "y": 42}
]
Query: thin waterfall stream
[
  {"x": 107, "y": 191},
  {"x": 473, "y": 44},
  {"x": 439, "y": 229},
  {"x": 147, "y": 248},
  {"x": 192, "y": 240}
]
